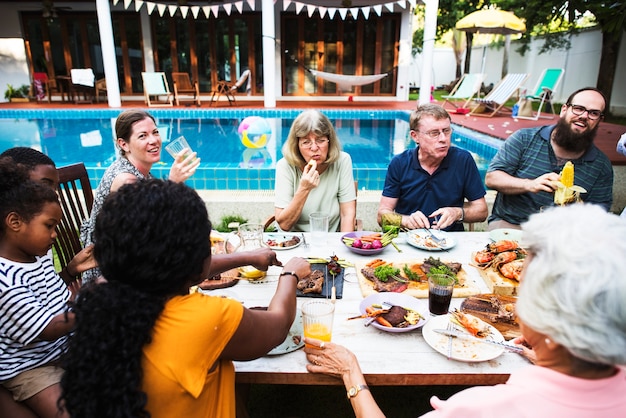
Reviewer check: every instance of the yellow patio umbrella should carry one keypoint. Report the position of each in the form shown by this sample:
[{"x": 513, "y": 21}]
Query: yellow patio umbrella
[{"x": 493, "y": 21}]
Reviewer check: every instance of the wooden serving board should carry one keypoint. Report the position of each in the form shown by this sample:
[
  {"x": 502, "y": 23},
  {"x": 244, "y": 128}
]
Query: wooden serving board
[
  {"x": 481, "y": 307},
  {"x": 468, "y": 286},
  {"x": 496, "y": 282}
]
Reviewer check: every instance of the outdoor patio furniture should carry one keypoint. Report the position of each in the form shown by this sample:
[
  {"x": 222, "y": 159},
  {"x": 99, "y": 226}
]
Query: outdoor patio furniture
[
  {"x": 223, "y": 88},
  {"x": 76, "y": 198},
  {"x": 101, "y": 88},
  {"x": 82, "y": 81},
  {"x": 41, "y": 86},
  {"x": 156, "y": 90},
  {"x": 548, "y": 82},
  {"x": 184, "y": 87},
  {"x": 495, "y": 101},
  {"x": 467, "y": 87}
]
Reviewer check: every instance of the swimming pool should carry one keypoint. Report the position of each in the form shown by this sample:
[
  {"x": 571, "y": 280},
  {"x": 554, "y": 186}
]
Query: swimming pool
[{"x": 372, "y": 138}]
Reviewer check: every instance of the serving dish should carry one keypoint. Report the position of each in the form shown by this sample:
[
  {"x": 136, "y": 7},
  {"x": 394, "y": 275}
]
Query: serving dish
[
  {"x": 275, "y": 240},
  {"x": 361, "y": 251},
  {"x": 328, "y": 283},
  {"x": 420, "y": 238}
]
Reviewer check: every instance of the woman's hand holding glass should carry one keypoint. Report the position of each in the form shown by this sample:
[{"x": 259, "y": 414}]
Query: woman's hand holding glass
[{"x": 184, "y": 166}]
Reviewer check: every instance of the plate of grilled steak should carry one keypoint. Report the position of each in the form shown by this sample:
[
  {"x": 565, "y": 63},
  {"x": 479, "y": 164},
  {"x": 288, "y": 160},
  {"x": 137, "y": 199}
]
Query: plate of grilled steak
[{"x": 319, "y": 283}]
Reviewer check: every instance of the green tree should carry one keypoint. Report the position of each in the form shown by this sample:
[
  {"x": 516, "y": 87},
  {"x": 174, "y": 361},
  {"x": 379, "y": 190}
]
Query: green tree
[{"x": 557, "y": 21}]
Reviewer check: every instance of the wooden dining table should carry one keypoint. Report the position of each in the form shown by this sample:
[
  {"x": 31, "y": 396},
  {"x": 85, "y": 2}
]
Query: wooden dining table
[{"x": 386, "y": 358}]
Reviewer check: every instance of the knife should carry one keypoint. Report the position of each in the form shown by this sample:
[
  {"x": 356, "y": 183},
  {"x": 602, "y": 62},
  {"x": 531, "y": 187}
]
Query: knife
[{"x": 459, "y": 334}]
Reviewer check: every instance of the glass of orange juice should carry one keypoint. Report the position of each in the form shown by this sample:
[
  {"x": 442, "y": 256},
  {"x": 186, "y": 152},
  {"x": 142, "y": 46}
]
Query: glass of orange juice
[{"x": 317, "y": 319}]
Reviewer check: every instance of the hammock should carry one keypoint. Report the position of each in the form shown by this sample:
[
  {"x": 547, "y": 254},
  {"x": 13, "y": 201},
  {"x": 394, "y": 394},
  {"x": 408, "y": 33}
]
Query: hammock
[{"x": 345, "y": 82}]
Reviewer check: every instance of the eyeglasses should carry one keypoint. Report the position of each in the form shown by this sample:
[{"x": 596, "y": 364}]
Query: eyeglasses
[
  {"x": 591, "y": 114},
  {"x": 434, "y": 134},
  {"x": 308, "y": 143}
]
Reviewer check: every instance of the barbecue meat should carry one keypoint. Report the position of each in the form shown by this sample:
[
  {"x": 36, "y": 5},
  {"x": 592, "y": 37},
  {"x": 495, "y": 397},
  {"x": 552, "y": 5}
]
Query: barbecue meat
[
  {"x": 312, "y": 283},
  {"x": 396, "y": 315},
  {"x": 390, "y": 285},
  {"x": 435, "y": 262}
]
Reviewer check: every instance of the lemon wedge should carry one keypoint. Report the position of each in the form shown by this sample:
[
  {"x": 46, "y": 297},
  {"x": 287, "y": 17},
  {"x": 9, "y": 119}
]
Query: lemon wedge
[{"x": 251, "y": 273}]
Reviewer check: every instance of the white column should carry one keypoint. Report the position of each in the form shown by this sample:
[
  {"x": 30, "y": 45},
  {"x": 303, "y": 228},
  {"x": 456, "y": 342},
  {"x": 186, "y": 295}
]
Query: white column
[
  {"x": 404, "y": 55},
  {"x": 108, "y": 53},
  {"x": 146, "y": 36},
  {"x": 269, "y": 54},
  {"x": 430, "y": 29}
]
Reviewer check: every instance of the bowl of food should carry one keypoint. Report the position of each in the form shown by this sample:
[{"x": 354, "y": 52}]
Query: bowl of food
[
  {"x": 406, "y": 313},
  {"x": 366, "y": 242}
]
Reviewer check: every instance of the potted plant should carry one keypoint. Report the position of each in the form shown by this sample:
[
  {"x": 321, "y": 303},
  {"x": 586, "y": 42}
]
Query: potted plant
[{"x": 19, "y": 94}]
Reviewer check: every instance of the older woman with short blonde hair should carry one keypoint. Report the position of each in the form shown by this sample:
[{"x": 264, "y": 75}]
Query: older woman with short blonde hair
[{"x": 314, "y": 175}]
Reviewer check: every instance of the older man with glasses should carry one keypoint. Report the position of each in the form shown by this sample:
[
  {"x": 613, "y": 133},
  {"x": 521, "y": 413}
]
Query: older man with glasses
[
  {"x": 525, "y": 171},
  {"x": 433, "y": 185}
]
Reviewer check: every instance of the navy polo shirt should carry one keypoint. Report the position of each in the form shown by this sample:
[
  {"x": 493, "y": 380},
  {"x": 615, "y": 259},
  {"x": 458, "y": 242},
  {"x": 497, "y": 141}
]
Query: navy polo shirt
[{"x": 456, "y": 179}]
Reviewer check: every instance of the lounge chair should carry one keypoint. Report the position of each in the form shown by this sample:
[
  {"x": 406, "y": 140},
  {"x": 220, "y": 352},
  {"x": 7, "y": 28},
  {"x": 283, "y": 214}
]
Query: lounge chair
[
  {"x": 467, "y": 87},
  {"x": 495, "y": 100},
  {"x": 184, "y": 87},
  {"x": 155, "y": 86},
  {"x": 83, "y": 80},
  {"x": 548, "y": 82},
  {"x": 223, "y": 88}
]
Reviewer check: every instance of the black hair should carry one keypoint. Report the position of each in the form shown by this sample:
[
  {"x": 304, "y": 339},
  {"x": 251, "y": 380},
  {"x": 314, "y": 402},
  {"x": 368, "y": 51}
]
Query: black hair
[
  {"x": 151, "y": 242},
  {"x": 19, "y": 194},
  {"x": 28, "y": 157}
]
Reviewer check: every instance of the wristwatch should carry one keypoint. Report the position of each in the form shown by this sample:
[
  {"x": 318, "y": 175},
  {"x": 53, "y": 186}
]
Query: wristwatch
[
  {"x": 462, "y": 215},
  {"x": 354, "y": 390}
]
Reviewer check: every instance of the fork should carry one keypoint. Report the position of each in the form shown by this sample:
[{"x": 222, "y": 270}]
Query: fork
[
  {"x": 304, "y": 243},
  {"x": 385, "y": 305},
  {"x": 450, "y": 328}
]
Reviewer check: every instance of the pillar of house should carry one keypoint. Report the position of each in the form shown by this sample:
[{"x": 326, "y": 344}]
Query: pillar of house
[
  {"x": 430, "y": 30},
  {"x": 269, "y": 53},
  {"x": 108, "y": 52}
]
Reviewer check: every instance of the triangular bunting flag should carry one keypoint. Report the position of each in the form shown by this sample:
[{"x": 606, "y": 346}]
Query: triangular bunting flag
[
  {"x": 299, "y": 7},
  {"x": 150, "y": 6},
  {"x": 366, "y": 12},
  {"x": 172, "y": 9},
  {"x": 322, "y": 11},
  {"x": 378, "y": 9},
  {"x": 342, "y": 13},
  {"x": 115, "y": 2},
  {"x": 227, "y": 8},
  {"x": 127, "y": 3},
  {"x": 239, "y": 6},
  {"x": 207, "y": 11},
  {"x": 310, "y": 9},
  {"x": 215, "y": 10},
  {"x": 331, "y": 12},
  {"x": 389, "y": 6},
  {"x": 251, "y": 4},
  {"x": 401, "y": 3},
  {"x": 161, "y": 9},
  {"x": 286, "y": 4},
  {"x": 138, "y": 4},
  {"x": 194, "y": 11},
  {"x": 184, "y": 10},
  {"x": 354, "y": 11}
]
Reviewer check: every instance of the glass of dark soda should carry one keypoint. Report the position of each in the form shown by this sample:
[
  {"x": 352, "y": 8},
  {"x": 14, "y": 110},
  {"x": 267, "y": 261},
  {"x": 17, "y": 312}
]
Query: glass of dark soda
[{"x": 440, "y": 287}]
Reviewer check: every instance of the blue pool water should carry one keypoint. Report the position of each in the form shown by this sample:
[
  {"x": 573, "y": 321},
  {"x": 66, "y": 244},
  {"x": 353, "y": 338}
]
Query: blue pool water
[{"x": 372, "y": 138}]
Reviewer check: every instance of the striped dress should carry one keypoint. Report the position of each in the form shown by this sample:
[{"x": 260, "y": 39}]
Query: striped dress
[{"x": 31, "y": 294}]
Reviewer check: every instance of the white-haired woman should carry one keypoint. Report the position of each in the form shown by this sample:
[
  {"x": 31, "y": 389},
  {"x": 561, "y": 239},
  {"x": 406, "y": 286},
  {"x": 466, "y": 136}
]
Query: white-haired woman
[
  {"x": 314, "y": 175},
  {"x": 572, "y": 313}
]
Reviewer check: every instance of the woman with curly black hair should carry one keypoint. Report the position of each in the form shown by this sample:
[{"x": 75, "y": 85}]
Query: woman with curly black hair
[{"x": 144, "y": 346}]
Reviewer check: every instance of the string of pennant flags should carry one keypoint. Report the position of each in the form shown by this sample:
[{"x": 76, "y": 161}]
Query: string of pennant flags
[{"x": 228, "y": 8}]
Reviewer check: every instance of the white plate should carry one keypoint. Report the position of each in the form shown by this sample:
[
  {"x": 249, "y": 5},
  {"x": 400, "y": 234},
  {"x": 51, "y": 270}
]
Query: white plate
[
  {"x": 281, "y": 237},
  {"x": 462, "y": 350},
  {"x": 506, "y": 234},
  {"x": 417, "y": 238},
  {"x": 400, "y": 299},
  {"x": 290, "y": 344}
]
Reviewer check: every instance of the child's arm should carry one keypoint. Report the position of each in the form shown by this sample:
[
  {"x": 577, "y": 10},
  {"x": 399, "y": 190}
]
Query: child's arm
[{"x": 60, "y": 325}]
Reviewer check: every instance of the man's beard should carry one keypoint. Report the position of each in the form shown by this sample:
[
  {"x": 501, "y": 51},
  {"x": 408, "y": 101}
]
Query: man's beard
[{"x": 572, "y": 141}]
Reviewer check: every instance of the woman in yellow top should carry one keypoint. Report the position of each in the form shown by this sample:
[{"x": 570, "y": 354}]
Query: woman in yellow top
[{"x": 144, "y": 345}]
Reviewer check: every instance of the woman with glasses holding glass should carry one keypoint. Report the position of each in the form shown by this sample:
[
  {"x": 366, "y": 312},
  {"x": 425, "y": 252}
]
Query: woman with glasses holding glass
[
  {"x": 525, "y": 171},
  {"x": 314, "y": 175},
  {"x": 433, "y": 185}
]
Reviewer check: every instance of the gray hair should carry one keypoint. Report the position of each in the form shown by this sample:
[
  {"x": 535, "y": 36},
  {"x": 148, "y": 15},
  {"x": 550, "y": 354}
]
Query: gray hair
[
  {"x": 574, "y": 286},
  {"x": 429, "y": 109},
  {"x": 310, "y": 121}
]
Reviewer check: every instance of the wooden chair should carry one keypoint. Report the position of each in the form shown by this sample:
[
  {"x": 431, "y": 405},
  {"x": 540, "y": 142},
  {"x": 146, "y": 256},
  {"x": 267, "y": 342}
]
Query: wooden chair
[
  {"x": 223, "y": 88},
  {"x": 183, "y": 86},
  {"x": 76, "y": 198},
  {"x": 101, "y": 88},
  {"x": 41, "y": 87}
]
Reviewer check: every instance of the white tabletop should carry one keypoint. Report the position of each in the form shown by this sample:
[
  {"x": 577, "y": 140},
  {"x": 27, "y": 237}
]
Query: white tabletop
[{"x": 385, "y": 358}]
